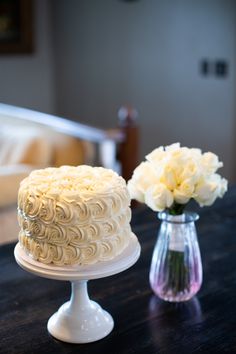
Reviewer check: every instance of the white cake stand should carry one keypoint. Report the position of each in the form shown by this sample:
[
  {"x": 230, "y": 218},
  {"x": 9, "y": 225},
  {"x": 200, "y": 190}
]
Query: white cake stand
[{"x": 80, "y": 320}]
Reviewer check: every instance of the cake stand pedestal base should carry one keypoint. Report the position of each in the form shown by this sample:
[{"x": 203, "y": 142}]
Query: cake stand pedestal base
[{"x": 80, "y": 320}]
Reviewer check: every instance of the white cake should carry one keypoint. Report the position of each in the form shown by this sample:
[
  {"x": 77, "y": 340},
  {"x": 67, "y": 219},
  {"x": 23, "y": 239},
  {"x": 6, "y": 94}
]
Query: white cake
[{"x": 74, "y": 215}]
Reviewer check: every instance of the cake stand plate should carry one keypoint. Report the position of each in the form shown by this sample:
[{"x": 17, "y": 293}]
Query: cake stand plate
[{"x": 80, "y": 320}]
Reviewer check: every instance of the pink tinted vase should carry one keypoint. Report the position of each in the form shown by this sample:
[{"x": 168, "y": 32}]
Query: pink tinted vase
[{"x": 176, "y": 268}]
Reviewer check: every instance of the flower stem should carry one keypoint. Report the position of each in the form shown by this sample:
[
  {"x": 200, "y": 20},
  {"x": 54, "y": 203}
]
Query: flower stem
[
  {"x": 178, "y": 279},
  {"x": 176, "y": 209}
]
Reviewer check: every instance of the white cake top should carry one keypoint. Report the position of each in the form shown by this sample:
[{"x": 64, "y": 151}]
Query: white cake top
[{"x": 72, "y": 182}]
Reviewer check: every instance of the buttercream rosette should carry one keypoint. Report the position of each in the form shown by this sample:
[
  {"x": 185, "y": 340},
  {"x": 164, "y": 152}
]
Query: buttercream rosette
[{"x": 74, "y": 215}]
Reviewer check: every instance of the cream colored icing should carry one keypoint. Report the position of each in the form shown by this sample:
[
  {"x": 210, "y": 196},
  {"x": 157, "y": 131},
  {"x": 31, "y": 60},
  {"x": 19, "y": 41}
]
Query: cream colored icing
[{"x": 74, "y": 215}]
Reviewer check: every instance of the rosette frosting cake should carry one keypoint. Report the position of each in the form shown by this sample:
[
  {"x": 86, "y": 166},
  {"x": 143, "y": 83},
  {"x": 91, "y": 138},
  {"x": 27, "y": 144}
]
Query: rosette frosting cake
[{"x": 74, "y": 215}]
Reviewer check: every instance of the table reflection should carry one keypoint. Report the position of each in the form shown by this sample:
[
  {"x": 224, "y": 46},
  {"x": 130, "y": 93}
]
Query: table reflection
[{"x": 176, "y": 318}]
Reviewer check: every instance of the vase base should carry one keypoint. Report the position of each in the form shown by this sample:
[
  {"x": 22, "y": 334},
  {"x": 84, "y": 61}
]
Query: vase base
[
  {"x": 180, "y": 297},
  {"x": 176, "y": 299}
]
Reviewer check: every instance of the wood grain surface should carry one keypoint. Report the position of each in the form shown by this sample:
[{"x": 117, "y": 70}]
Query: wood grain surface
[{"x": 143, "y": 323}]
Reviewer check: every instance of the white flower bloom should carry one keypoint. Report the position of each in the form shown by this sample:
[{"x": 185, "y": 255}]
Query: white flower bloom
[
  {"x": 191, "y": 172},
  {"x": 184, "y": 192},
  {"x": 156, "y": 156},
  {"x": 224, "y": 187},
  {"x": 173, "y": 147},
  {"x": 178, "y": 159},
  {"x": 158, "y": 197},
  {"x": 143, "y": 177},
  {"x": 209, "y": 189},
  {"x": 145, "y": 174},
  {"x": 210, "y": 163},
  {"x": 196, "y": 154},
  {"x": 136, "y": 191},
  {"x": 168, "y": 177},
  {"x": 177, "y": 174}
]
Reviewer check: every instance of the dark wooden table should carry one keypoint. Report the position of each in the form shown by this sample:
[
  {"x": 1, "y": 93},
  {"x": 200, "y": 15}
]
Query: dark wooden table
[{"x": 143, "y": 323}]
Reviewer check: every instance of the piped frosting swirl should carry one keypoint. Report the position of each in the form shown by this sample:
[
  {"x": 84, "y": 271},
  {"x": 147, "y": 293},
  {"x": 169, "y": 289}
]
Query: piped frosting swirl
[{"x": 74, "y": 215}]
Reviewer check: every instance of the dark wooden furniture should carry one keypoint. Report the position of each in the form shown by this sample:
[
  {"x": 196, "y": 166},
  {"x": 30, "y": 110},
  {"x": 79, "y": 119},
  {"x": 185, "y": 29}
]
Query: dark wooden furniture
[
  {"x": 143, "y": 323},
  {"x": 128, "y": 152}
]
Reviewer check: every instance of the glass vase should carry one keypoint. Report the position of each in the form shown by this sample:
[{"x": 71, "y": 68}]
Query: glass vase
[{"x": 176, "y": 268}]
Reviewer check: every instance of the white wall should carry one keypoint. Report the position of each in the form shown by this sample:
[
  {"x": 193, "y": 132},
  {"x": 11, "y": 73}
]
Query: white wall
[
  {"x": 27, "y": 79},
  {"x": 147, "y": 53},
  {"x": 102, "y": 54}
]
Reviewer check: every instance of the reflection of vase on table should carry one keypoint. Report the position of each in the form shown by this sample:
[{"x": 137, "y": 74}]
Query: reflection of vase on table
[{"x": 176, "y": 268}]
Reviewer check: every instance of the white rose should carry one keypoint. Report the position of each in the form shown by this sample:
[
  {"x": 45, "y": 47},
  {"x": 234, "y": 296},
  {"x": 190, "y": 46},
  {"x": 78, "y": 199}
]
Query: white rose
[
  {"x": 178, "y": 159},
  {"x": 143, "y": 177},
  {"x": 209, "y": 189},
  {"x": 175, "y": 173},
  {"x": 157, "y": 155},
  {"x": 168, "y": 177},
  {"x": 224, "y": 187},
  {"x": 181, "y": 154},
  {"x": 196, "y": 153},
  {"x": 135, "y": 191},
  {"x": 145, "y": 172},
  {"x": 210, "y": 163},
  {"x": 184, "y": 192},
  {"x": 191, "y": 172},
  {"x": 173, "y": 147},
  {"x": 158, "y": 197}
]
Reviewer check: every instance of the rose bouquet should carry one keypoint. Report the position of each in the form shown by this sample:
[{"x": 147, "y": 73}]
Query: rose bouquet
[
  {"x": 174, "y": 175},
  {"x": 170, "y": 177}
]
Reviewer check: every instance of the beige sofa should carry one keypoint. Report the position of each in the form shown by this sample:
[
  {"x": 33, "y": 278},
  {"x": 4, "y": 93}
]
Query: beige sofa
[
  {"x": 31, "y": 139},
  {"x": 25, "y": 146}
]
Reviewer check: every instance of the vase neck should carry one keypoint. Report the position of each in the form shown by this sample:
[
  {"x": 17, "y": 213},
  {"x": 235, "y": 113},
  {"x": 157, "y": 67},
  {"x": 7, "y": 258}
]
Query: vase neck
[{"x": 178, "y": 219}]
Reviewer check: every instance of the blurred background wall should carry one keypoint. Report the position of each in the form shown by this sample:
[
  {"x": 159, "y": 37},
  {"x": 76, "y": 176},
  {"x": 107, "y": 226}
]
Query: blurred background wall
[
  {"x": 93, "y": 56},
  {"x": 27, "y": 79}
]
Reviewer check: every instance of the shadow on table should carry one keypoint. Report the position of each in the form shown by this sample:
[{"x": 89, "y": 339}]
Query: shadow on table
[
  {"x": 174, "y": 325},
  {"x": 181, "y": 311}
]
